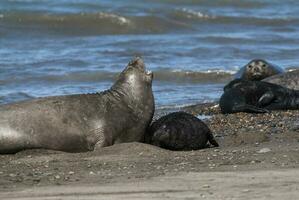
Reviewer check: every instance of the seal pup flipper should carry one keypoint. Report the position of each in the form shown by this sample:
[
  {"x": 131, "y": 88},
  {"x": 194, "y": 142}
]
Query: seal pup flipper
[
  {"x": 266, "y": 99},
  {"x": 212, "y": 140},
  {"x": 249, "y": 108}
]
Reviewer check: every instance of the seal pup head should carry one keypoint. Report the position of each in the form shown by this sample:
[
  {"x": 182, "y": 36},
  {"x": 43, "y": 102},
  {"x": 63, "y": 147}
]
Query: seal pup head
[{"x": 257, "y": 69}]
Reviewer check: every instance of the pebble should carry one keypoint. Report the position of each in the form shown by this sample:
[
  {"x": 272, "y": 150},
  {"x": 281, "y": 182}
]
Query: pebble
[
  {"x": 264, "y": 150},
  {"x": 246, "y": 190},
  {"x": 71, "y": 172},
  {"x": 206, "y": 186},
  {"x": 91, "y": 173}
]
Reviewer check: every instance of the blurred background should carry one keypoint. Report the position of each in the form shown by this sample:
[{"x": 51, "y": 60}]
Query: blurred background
[{"x": 57, "y": 47}]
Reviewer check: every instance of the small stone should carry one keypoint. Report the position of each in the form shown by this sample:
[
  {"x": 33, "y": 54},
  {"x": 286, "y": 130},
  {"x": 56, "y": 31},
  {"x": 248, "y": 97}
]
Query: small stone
[
  {"x": 36, "y": 179},
  {"x": 71, "y": 172},
  {"x": 206, "y": 186},
  {"x": 91, "y": 173},
  {"x": 57, "y": 177},
  {"x": 264, "y": 150},
  {"x": 159, "y": 167}
]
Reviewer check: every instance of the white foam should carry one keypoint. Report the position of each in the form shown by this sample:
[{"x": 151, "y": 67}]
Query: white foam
[
  {"x": 191, "y": 14},
  {"x": 116, "y": 18},
  {"x": 205, "y": 71}
]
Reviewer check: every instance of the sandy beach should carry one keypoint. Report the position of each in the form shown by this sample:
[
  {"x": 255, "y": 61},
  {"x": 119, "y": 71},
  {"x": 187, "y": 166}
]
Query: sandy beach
[{"x": 258, "y": 158}]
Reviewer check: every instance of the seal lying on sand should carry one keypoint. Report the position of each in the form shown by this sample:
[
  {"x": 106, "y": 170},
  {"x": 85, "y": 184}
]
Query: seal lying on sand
[
  {"x": 289, "y": 79},
  {"x": 78, "y": 123},
  {"x": 180, "y": 131},
  {"x": 257, "y": 97},
  {"x": 257, "y": 70}
]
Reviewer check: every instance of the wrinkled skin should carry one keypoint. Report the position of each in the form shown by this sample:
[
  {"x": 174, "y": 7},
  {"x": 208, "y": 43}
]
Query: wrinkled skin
[
  {"x": 289, "y": 79},
  {"x": 257, "y": 70},
  {"x": 180, "y": 131},
  {"x": 81, "y": 122},
  {"x": 257, "y": 97}
]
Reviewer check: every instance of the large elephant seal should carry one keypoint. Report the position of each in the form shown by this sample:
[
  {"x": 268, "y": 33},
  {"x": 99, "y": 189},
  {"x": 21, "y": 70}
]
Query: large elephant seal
[
  {"x": 289, "y": 79},
  {"x": 257, "y": 97},
  {"x": 180, "y": 131},
  {"x": 78, "y": 123},
  {"x": 257, "y": 70}
]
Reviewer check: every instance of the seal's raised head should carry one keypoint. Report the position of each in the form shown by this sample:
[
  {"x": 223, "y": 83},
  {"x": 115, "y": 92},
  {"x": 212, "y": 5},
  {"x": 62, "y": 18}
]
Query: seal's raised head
[
  {"x": 136, "y": 72},
  {"x": 135, "y": 81},
  {"x": 257, "y": 70}
]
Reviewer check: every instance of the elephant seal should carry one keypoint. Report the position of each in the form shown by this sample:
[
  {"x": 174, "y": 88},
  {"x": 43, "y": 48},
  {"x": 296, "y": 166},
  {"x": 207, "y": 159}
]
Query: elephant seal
[
  {"x": 257, "y": 70},
  {"x": 81, "y": 122},
  {"x": 180, "y": 131},
  {"x": 289, "y": 79},
  {"x": 257, "y": 97}
]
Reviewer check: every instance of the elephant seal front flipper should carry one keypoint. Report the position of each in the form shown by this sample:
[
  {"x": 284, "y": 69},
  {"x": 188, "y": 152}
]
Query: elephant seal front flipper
[{"x": 78, "y": 123}]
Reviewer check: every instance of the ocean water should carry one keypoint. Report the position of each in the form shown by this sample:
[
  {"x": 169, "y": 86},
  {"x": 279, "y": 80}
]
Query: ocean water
[{"x": 58, "y": 47}]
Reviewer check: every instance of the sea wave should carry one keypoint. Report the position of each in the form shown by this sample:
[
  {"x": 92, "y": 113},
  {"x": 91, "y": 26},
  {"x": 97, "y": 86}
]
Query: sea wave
[
  {"x": 14, "y": 96},
  {"x": 99, "y": 23},
  {"x": 186, "y": 13},
  {"x": 163, "y": 75},
  {"x": 88, "y": 23},
  {"x": 187, "y": 76}
]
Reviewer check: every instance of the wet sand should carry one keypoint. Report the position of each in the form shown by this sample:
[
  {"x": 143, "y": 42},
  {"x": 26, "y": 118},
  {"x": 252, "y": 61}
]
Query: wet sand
[{"x": 258, "y": 158}]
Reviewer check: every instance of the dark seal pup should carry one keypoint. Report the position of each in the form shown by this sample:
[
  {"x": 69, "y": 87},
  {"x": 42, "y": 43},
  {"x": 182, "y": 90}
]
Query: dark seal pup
[
  {"x": 81, "y": 122},
  {"x": 289, "y": 79},
  {"x": 257, "y": 70},
  {"x": 257, "y": 97},
  {"x": 180, "y": 131}
]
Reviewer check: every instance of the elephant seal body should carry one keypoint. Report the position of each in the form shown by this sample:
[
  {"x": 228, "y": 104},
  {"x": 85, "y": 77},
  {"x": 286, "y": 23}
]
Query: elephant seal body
[
  {"x": 289, "y": 79},
  {"x": 257, "y": 97},
  {"x": 180, "y": 131},
  {"x": 257, "y": 70},
  {"x": 78, "y": 123}
]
